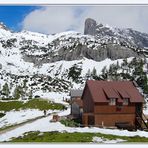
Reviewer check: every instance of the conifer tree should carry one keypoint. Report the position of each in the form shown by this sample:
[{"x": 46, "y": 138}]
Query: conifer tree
[
  {"x": 5, "y": 90},
  {"x": 30, "y": 94},
  {"x": 88, "y": 75},
  {"x": 74, "y": 73},
  {"x": 94, "y": 72},
  {"x": 17, "y": 92}
]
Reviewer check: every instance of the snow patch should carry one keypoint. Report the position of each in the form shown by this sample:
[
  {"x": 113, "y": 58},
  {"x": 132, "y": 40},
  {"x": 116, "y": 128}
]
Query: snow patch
[
  {"x": 104, "y": 140},
  {"x": 53, "y": 96},
  {"x": 16, "y": 117}
]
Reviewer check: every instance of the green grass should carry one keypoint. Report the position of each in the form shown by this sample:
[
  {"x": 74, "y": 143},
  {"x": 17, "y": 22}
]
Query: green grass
[
  {"x": 43, "y": 105},
  {"x": 54, "y": 137},
  {"x": 31, "y": 104},
  {"x": 72, "y": 137},
  {"x": 7, "y": 106}
]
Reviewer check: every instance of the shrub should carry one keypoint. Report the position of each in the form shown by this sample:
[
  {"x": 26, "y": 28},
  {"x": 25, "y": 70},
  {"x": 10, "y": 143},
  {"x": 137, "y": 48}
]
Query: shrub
[
  {"x": 1, "y": 115},
  {"x": 70, "y": 123}
]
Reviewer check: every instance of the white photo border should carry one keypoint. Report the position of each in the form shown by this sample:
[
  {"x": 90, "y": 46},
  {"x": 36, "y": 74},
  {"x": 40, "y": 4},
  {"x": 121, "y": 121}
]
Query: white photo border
[{"x": 71, "y": 2}]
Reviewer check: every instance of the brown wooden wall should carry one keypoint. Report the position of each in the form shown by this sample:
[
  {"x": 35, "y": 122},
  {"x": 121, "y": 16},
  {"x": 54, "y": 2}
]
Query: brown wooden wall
[
  {"x": 88, "y": 104},
  {"x": 107, "y": 119},
  {"x": 111, "y": 119},
  {"x": 105, "y": 108}
]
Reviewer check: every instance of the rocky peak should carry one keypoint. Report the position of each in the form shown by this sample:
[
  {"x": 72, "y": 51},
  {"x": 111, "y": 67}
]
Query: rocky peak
[
  {"x": 90, "y": 26},
  {"x": 127, "y": 37},
  {"x": 93, "y": 28}
]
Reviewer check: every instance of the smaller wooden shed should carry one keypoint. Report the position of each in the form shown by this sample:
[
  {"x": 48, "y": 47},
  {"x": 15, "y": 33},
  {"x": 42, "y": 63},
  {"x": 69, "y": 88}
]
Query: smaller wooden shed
[{"x": 76, "y": 103}]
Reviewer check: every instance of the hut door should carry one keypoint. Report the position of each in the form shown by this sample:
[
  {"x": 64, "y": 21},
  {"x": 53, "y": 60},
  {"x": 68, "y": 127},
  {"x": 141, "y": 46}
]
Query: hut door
[
  {"x": 90, "y": 120},
  {"x": 139, "y": 109}
]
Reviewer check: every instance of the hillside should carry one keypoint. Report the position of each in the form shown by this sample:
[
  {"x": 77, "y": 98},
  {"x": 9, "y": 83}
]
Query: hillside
[{"x": 34, "y": 64}]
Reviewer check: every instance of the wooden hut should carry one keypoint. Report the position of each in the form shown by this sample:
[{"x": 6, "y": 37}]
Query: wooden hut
[{"x": 112, "y": 104}]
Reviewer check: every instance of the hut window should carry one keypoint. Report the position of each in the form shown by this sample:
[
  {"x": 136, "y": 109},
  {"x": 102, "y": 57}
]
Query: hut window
[
  {"x": 112, "y": 101},
  {"x": 125, "y": 101}
]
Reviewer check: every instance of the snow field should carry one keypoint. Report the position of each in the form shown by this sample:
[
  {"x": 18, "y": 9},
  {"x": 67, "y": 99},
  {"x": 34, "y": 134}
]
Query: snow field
[{"x": 44, "y": 125}]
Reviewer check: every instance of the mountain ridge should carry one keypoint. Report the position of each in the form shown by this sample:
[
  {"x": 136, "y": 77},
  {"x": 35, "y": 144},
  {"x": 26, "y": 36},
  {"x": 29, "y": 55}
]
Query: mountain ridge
[
  {"x": 39, "y": 48},
  {"x": 127, "y": 36},
  {"x": 31, "y": 62}
]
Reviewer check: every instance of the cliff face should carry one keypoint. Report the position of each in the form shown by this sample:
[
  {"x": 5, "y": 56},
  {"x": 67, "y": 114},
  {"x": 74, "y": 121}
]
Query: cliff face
[
  {"x": 98, "y": 43},
  {"x": 80, "y": 47}
]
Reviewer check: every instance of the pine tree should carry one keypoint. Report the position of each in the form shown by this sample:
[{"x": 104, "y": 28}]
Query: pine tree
[
  {"x": 94, "y": 71},
  {"x": 145, "y": 84},
  {"x": 25, "y": 83},
  {"x": 5, "y": 90},
  {"x": 104, "y": 75},
  {"x": 94, "y": 74},
  {"x": 30, "y": 95},
  {"x": 24, "y": 88},
  {"x": 125, "y": 63},
  {"x": 134, "y": 61},
  {"x": 110, "y": 72},
  {"x": 17, "y": 92},
  {"x": 74, "y": 73},
  {"x": 88, "y": 75},
  {"x": 104, "y": 70}
]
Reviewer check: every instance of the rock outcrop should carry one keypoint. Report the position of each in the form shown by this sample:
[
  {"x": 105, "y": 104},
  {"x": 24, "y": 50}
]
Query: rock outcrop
[
  {"x": 90, "y": 27},
  {"x": 127, "y": 36}
]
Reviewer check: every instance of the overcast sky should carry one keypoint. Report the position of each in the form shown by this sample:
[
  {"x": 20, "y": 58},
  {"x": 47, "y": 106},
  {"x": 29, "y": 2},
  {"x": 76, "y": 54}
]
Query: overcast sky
[{"x": 54, "y": 19}]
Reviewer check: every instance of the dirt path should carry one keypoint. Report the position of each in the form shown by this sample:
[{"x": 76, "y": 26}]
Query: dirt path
[{"x": 10, "y": 128}]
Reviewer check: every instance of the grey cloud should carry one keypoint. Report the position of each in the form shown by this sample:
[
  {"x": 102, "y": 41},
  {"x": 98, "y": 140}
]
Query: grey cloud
[{"x": 54, "y": 19}]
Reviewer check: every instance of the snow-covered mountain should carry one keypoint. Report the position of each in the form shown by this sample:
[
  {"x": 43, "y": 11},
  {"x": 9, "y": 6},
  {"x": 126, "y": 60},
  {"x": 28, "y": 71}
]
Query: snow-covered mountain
[
  {"x": 33, "y": 61},
  {"x": 125, "y": 36}
]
